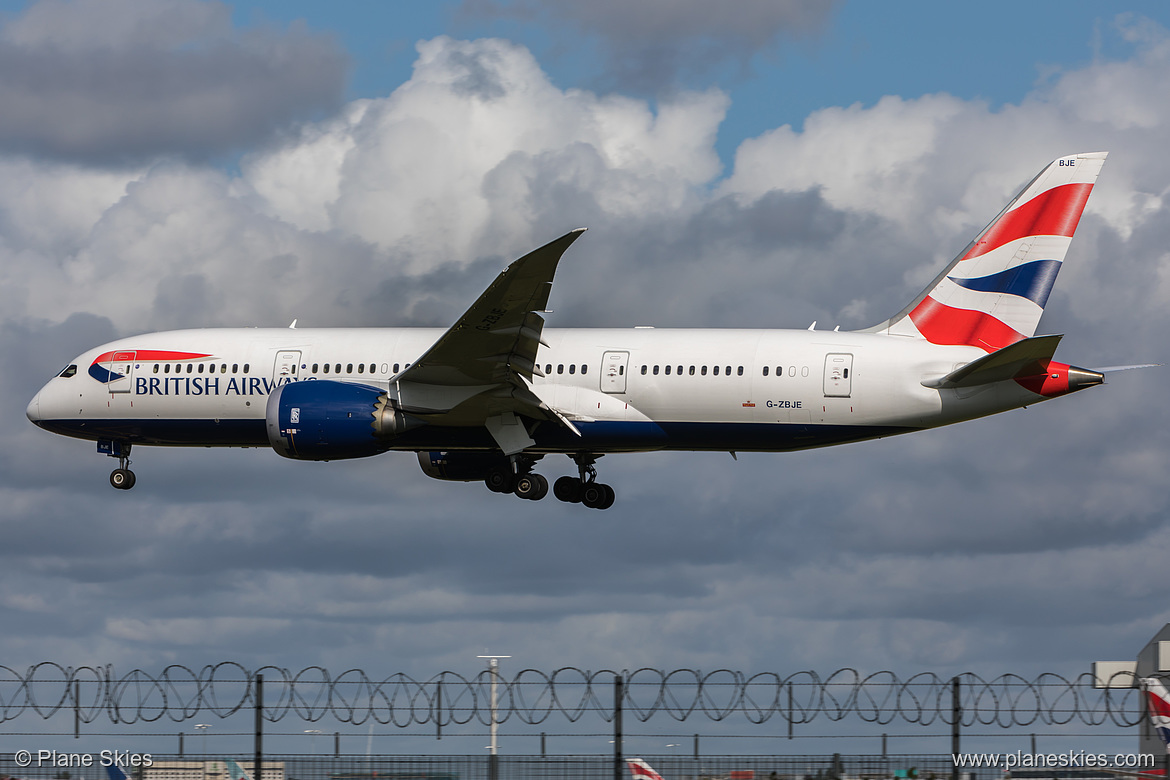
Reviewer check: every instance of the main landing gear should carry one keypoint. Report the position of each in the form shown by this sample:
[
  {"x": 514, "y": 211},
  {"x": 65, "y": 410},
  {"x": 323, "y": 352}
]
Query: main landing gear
[
  {"x": 516, "y": 477},
  {"x": 122, "y": 477}
]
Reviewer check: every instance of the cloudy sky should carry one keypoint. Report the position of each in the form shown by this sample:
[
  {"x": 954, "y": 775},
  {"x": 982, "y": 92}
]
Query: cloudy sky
[{"x": 179, "y": 163}]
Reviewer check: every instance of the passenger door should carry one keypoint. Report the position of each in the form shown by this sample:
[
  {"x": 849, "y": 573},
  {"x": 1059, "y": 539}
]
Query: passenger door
[
  {"x": 121, "y": 368},
  {"x": 613, "y": 372},
  {"x": 287, "y": 367},
  {"x": 838, "y": 367}
]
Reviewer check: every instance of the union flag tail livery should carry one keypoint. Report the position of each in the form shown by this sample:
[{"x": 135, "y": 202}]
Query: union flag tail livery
[
  {"x": 640, "y": 770},
  {"x": 1158, "y": 706},
  {"x": 488, "y": 398},
  {"x": 993, "y": 293}
]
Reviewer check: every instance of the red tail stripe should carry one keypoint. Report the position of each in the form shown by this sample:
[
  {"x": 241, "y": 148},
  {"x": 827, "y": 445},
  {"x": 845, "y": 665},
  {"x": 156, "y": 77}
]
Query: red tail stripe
[
  {"x": 1158, "y": 705},
  {"x": 1055, "y": 212},
  {"x": 940, "y": 324}
]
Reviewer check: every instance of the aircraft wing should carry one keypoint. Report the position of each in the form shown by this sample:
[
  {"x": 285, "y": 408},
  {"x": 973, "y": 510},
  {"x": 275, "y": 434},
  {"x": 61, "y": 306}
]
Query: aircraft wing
[
  {"x": 498, "y": 336},
  {"x": 479, "y": 372}
]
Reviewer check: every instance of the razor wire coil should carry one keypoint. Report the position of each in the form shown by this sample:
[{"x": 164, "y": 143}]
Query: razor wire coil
[{"x": 179, "y": 693}]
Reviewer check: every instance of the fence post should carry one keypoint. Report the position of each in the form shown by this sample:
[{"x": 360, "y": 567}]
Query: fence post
[
  {"x": 696, "y": 747},
  {"x": 617, "y": 727},
  {"x": 956, "y": 725},
  {"x": 337, "y": 744},
  {"x": 180, "y": 744},
  {"x": 439, "y": 708},
  {"x": 258, "y": 760},
  {"x": 790, "y": 709},
  {"x": 76, "y": 709}
]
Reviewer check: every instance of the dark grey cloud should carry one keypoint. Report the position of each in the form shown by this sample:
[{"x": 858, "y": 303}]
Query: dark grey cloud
[
  {"x": 130, "y": 81},
  {"x": 657, "y": 45}
]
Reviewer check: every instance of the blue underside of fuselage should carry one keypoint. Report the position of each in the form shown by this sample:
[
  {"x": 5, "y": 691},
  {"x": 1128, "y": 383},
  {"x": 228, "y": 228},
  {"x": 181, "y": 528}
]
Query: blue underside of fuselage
[{"x": 599, "y": 436}]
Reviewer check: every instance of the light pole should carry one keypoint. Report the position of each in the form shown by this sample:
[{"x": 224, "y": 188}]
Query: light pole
[
  {"x": 203, "y": 727},
  {"x": 494, "y": 669}
]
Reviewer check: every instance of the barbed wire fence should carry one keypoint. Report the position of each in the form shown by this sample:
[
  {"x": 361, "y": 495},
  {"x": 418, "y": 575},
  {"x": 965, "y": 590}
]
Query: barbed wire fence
[
  {"x": 533, "y": 698},
  {"x": 179, "y": 693}
]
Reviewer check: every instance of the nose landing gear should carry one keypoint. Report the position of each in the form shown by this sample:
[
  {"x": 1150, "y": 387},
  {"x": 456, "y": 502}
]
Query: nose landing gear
[{"x": 122, "y": 477}]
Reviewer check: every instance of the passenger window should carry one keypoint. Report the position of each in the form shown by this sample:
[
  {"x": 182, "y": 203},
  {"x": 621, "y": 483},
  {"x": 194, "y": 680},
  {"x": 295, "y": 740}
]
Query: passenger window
[
  {"x": 200, "y": 369},
  {"x": 845, "y": 374},
  {"x": 727, "y": 370},
  {"x": 765, "y": 370},
  {"x": 779, "y": 370},
  {"x": 395, "y": 368},
  {"x": 68, "y": 371},
  {"x": 679, "y": 372},
  {"x": 166, "y": 368},
  {"x": 156, "y": 368},
  {"x": 792, "y": 371},
  {"x": 703, "y": 371},
  {"x": 371, "y": 368},
  {"x": 246, "y": 367},
  {"x": 715, "y": 370},
  {"x": 560, "y": 368},
  {"x": 349, "y": 368},
  {"x": 190, "y": 368},
  {"x": 326, "y": 368},
  {"x": 644, "y": 368},
  {"x": 655, "y": 370},
  {"x": 547, "y": 368},
  {"x": 361, "y": 368},
  {"x": 315, "y": 367},
  {"x": 668, "y": 370},
  {"x": 337, "y": 368},
  {"x": 692, "y": 371},
  {"x": 223, "y": 368},
  {"x": 584, "y": 368},
  {"x": 739, "y": 371},
  {"x": 235, "y": 368}
]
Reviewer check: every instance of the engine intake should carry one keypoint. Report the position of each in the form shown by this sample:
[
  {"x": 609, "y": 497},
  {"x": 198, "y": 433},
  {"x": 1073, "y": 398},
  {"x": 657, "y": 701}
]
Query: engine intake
[{"x": 327, "y": 420}]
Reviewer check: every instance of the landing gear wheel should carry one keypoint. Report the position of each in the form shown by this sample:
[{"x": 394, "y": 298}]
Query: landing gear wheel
[
  {"x": 531, "y": 486},
  {"x": 500, "y": 481},
  {"x": 568, "y": 489},
  {"x": 122, "y": 479},
  {"x": 598, "y": 496}
]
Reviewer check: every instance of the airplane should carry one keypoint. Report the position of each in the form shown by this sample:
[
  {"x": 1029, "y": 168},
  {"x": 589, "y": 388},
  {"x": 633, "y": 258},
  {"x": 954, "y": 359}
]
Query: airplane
[
  {"x": 641, "y": 770},
  {"x": 236, "y": 772},
  {"x": 496, "y": 392},
  {"x": 1158, "y": 706}
]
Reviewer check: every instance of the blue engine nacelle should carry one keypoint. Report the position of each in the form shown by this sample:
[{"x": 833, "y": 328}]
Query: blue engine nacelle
[
  {"x": 462, "y": 466},
  {"x": 326, "y": 420}
]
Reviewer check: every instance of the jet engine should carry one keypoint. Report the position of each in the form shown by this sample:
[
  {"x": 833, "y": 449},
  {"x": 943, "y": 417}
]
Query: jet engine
[
  {"x": 462, "y": 466},
  {"x": 326, "y": 420}
]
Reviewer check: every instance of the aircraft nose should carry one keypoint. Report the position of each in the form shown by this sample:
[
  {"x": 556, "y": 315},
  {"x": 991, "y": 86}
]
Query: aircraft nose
[{"x": 34, "y": 409}]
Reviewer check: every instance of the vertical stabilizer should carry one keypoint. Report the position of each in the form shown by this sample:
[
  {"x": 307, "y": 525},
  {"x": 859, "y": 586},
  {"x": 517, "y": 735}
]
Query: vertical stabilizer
[
  {"x": 994, "y": 292},
  {"x": 1158, "y": 706}
]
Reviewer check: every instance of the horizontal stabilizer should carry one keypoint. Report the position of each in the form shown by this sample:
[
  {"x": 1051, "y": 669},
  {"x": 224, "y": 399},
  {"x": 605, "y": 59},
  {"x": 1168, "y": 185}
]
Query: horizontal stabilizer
[{"x": 1022, "y": 358}]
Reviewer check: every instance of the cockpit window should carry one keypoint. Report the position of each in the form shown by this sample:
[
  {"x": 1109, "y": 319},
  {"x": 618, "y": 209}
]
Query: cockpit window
[{"x": 68, "y": 371}]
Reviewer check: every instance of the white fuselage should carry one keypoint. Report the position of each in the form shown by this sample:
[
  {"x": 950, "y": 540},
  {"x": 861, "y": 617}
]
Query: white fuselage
[{"x": 623, "y": 389}]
